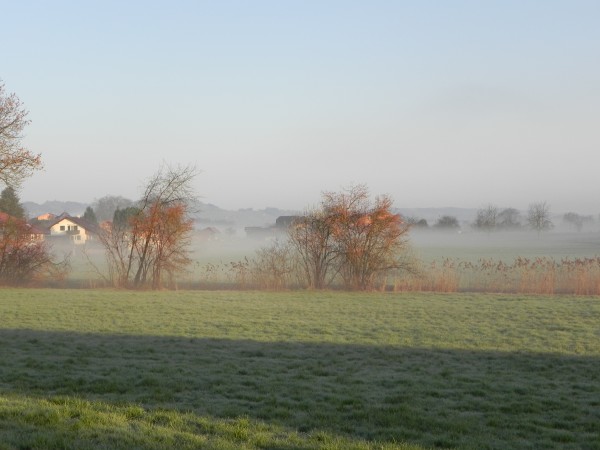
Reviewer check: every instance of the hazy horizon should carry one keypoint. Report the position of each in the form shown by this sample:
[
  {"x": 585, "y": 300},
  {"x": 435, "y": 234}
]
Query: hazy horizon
[
  {"x": 430, "y": 213},
  {"x": 459, "y": 104}
]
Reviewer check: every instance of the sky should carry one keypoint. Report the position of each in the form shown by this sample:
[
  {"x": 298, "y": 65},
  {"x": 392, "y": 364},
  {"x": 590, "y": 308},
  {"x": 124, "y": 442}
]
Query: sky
[{"x": 435, "y": 103}]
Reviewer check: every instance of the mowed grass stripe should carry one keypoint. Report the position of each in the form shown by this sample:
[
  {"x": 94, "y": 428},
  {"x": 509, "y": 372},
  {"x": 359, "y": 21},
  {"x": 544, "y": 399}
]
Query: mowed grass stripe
[
  {"x": 536, "y": 324},
  {"x": 464, "y": 371}
]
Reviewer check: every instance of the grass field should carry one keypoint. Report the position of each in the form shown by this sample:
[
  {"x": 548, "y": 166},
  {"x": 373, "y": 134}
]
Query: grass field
[{"x": 297, "y": 370}]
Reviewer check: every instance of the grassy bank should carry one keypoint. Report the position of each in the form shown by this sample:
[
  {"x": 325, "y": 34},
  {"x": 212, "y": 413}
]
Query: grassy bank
[{"x": 297, "y": 370}]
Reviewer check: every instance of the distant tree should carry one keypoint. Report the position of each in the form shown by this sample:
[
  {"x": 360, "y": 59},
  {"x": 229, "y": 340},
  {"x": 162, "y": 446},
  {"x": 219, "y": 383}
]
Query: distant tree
[
  {"x": 10, "y": 204},
  {"x": 105, "y": 207},
  {"x": 90, "y": 215},
  {"x": 122, "y": 217},
  {"x": 447, "y": 223},
  {"x": 416, "y": 223},
  {"x": 509, "y": 219},
  {"x": 538, "y": 217},
  {"x": 486, "y": 219},
  {"x": 16, "y": 162},
  {"x": 577, "y": 220},
  {"x": 573, "y": 219}
]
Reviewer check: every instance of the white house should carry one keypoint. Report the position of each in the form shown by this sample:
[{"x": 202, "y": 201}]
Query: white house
[{"x": 77, "y": 229}]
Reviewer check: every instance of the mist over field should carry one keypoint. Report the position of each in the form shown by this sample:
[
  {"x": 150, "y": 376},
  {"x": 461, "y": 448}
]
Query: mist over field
[{"x": 231, "y": 239}]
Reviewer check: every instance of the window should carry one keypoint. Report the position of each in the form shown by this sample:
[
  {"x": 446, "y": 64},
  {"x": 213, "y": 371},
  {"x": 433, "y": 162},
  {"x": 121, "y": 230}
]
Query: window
[{"x": 62, "y": 228}]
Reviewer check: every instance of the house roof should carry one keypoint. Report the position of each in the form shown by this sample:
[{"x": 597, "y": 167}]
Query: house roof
[
  {"x": 46, "y": 216},
  {"x": 88, "y": 226}
]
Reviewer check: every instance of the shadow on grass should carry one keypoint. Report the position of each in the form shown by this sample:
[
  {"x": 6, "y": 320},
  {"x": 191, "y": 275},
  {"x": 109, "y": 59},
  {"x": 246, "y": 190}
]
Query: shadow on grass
[{"x": 430, "y": 397}]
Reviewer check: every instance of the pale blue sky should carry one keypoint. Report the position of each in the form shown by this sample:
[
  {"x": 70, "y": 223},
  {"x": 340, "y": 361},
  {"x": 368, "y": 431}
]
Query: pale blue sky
[{"x": 437, "y": 103}]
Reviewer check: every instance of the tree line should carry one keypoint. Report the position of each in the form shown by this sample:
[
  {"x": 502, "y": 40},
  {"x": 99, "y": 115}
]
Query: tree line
[{"x": 538, "y": 218}]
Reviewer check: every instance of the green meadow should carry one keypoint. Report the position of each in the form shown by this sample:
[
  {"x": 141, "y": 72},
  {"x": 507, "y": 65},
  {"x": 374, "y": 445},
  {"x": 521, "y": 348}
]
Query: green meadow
[{"x": 102, "y": 369}]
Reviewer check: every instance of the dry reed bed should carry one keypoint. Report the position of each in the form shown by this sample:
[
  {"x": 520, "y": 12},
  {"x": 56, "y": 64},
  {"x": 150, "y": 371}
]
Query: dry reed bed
[{"x": 542, "y": 275}]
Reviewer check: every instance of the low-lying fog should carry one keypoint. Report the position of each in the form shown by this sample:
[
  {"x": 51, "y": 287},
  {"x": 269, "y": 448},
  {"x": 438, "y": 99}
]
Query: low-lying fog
[{"x": 429, "y": 245}]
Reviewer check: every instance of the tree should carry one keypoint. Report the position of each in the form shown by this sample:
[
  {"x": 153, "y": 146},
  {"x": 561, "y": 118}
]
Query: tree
[
  {"x": 487, "y": 218},
  {"x": 16, "y": 162},
  {"x": 447, "y": 223},
  {"x": 538, "y": 217},
  {"x": 90, "y": 215},
  {"x": 149, "y": 243},
  {"x": 369, "y": 238},
  {"x": 161, "y": 236},
  {"x": 577, "y": 220},
  {"x": 105, "y": 207},
  {"x": 122, "y": 217},
  {"x": 574, "y": 219},
  {"x": 22, "y": 259},
  {"x": 509, "y": 219},
  {"x": 312, "y": 238},
  {"x": 416, "y": 223},
  {"x": 10, "y": 204},
  {"x": 351, "y": 236}
]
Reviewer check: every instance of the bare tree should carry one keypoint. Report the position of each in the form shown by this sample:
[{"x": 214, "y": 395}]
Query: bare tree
[
  {"x": 311, "y": 236},
  {"x": 487, "y": 218},
  {"x": 150, "y": 243},
  {"x": 273, "y": 266},
  {"x": 538, "y": 217},
  {"x": 117, "y": 244},
  {"x": 16, "y": 162}
]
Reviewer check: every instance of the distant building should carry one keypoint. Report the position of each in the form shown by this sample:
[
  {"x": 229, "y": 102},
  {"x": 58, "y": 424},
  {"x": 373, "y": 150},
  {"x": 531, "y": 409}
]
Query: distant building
[
  {"x": 76, "y": 229},
  {"x": 46, "y": 216}
]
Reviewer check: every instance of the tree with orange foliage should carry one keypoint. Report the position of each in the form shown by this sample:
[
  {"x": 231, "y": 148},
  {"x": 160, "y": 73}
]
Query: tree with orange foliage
[
  {"x": 151, "y": 245},
  {"x": 162, "y": 235},
  {"x": 16, "y": 162},
  {"x": 23, "y": 259},
  {"x": 368, "y": 238},
  {"x": 352, "y": 237}
]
